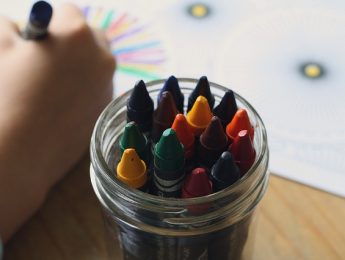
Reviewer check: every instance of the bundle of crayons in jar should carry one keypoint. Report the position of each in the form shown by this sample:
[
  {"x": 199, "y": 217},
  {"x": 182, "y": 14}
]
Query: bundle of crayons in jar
[{"x": 169, "y": 154}]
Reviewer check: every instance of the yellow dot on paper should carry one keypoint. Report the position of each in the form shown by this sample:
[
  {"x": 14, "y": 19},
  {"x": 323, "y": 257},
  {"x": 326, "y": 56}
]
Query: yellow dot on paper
[
  {"x": 198, "y": 10},
  {"x": 312, "y": 70}
]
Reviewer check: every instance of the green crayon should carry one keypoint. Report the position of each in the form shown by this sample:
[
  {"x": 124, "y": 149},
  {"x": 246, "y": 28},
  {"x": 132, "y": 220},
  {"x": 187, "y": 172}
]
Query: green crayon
[
  {"x": 169, "y": 165},
  {"x": 133, "y": 138}
]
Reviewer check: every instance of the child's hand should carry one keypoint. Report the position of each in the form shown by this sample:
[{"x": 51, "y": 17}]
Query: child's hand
[{"x": 51, "y": 92}]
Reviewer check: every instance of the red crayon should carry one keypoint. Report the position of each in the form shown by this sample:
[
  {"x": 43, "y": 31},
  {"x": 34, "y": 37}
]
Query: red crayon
[
  {"x": 239, "y": 122},
  {"x": 197, "y": 184},
  {"x": 243, "y": 151},
  {"x": 184, "y": 134}
]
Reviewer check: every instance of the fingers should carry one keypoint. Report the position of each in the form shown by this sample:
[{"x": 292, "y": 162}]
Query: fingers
[
  {"x": 9, "y": 31},
  {"x": 8, "y": 27},
  {"x": 68, "y": 20},
  {"x": 101, "y": 39},
  {"x": 104, "y": 43}
]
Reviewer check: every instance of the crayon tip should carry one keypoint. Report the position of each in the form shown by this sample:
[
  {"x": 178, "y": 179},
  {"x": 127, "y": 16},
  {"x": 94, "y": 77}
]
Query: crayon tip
[
  {"x": 224, "y": 172},
  {"x": 202, "y": 89},
  {"x": 140, "y": 98},
  {"x": 239, "y": 122},
  {"x": 243, "y": 151},
  {"x": 169, "y": 152},
  {"x": 184, "y": 134},
  {"x": 199, "y": 116},
  {"x": 41, "y": 14},
  {"x": 131, "y": 170},
  {"x": 133, "y": 138},
  {"x": 196, "y": 184},
  {"x": 227, "y": 108},
  {"x": 213, "y": 141},
  {"x": 171, "y": 85},
  {"x": 214, "y": 136},
  {"x": 163, "y": 116},
  {"x": 140, "y": 107}
]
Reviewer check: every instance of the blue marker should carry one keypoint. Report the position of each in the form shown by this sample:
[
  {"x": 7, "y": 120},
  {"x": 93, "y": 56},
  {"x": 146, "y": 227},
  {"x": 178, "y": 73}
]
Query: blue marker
[{"x": 37, "y": 26}]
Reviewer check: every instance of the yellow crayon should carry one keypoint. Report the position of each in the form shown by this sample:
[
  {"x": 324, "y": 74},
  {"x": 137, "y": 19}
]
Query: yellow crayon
[
  {"x": 199, "y": 116},
  {"x": 131, "y": 170}
]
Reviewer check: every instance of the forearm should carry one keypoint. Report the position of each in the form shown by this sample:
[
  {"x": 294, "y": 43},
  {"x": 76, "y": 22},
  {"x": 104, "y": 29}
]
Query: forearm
[
  {"x": 51, "y": 94},
  {"x": 22, "y": 188}
]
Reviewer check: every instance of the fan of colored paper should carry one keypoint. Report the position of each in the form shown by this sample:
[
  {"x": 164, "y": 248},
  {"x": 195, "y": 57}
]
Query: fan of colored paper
[{"x": 133, "y": 44}]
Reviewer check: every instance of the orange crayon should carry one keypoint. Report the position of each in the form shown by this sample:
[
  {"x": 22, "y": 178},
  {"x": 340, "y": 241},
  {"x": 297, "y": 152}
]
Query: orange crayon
[
  {"x": 131, "y": 170},
  {"x": 199, "y": 116},
  {"x": 239, "y": 122},
  {"x": 184, "y": 134}
]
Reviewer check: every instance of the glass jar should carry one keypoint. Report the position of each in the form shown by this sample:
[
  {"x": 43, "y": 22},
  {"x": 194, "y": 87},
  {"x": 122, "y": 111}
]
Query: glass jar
[{"x": 142, "y": 226}]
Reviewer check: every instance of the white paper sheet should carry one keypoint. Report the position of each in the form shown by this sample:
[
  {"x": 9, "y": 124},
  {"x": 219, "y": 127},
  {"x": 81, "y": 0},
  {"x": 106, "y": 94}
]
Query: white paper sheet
[{"x": 256, "y": 48}]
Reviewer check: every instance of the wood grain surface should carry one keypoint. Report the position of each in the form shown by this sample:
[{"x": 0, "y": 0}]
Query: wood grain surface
[{"x": 295, "y": 222}]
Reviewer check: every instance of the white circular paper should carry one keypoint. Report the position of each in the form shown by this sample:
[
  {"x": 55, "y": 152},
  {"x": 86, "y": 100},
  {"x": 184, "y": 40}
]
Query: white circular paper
[{"x": 305, "y": 118}]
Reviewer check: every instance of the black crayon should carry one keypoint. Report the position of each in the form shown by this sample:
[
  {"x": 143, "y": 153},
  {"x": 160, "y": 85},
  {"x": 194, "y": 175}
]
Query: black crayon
[
  {"x": 227, "y": 108},
  {"x": 202, "y": 89},
  {"x": 140, "y": 107}
]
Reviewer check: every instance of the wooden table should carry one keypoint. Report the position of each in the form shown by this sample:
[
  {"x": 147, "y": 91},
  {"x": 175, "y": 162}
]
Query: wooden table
[{"x": 296, "y": 222}]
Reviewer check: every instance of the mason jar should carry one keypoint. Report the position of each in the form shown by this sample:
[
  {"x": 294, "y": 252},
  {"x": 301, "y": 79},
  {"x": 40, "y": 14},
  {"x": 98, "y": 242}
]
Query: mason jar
[{"x": 141, "y": 226}]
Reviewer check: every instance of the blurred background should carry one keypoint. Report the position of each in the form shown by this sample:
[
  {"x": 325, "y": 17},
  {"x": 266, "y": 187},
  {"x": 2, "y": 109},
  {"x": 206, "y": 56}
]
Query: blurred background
[{"x": 287, "y": 58}]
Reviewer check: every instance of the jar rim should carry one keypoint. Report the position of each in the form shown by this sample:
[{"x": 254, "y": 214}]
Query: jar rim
[{"x": 132, "y": 194}]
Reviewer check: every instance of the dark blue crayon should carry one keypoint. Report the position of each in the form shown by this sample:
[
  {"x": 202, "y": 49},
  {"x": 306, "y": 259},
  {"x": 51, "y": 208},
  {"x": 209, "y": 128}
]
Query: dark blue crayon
[
  {"x": 225, "y": 243},
  {"x": 171, "y": 85},
  {"x": 39, "y": 19},
  {"x": 224, "y": 172}
]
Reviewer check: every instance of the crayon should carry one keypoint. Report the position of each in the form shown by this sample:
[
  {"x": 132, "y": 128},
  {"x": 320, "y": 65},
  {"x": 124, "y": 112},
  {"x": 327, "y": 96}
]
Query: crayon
[
  {"x": 239, "y": 122},
  {"x": 184, "y": 134},
  {"x": 133, "y": 138},
  {"x": 38, "y": 22},
  {"x": 168, "y": 165},
  {"x": 202, "y": 89},
  {"x": 243, "y": 151},
  {"x": 199, "y": 116},
  {"x": 171, "y": 85},
  {"x": 239, "y": 237},
  {"x": 224, "y": 172},
  {"x": 226, "y": 243},
  {"x": 163, "y": 116},
  {"x": 186, "y": 137},
  {"x": 213, "y": 141},
  {"x": 226, "y": 109},
  {"x": 197, "y": 184},
  {"x": 138, "y": 244},
  {"x": 135, "y": 243},
  {"x": 131, "y": 170},
  {"x": 140, "y": 107}
]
